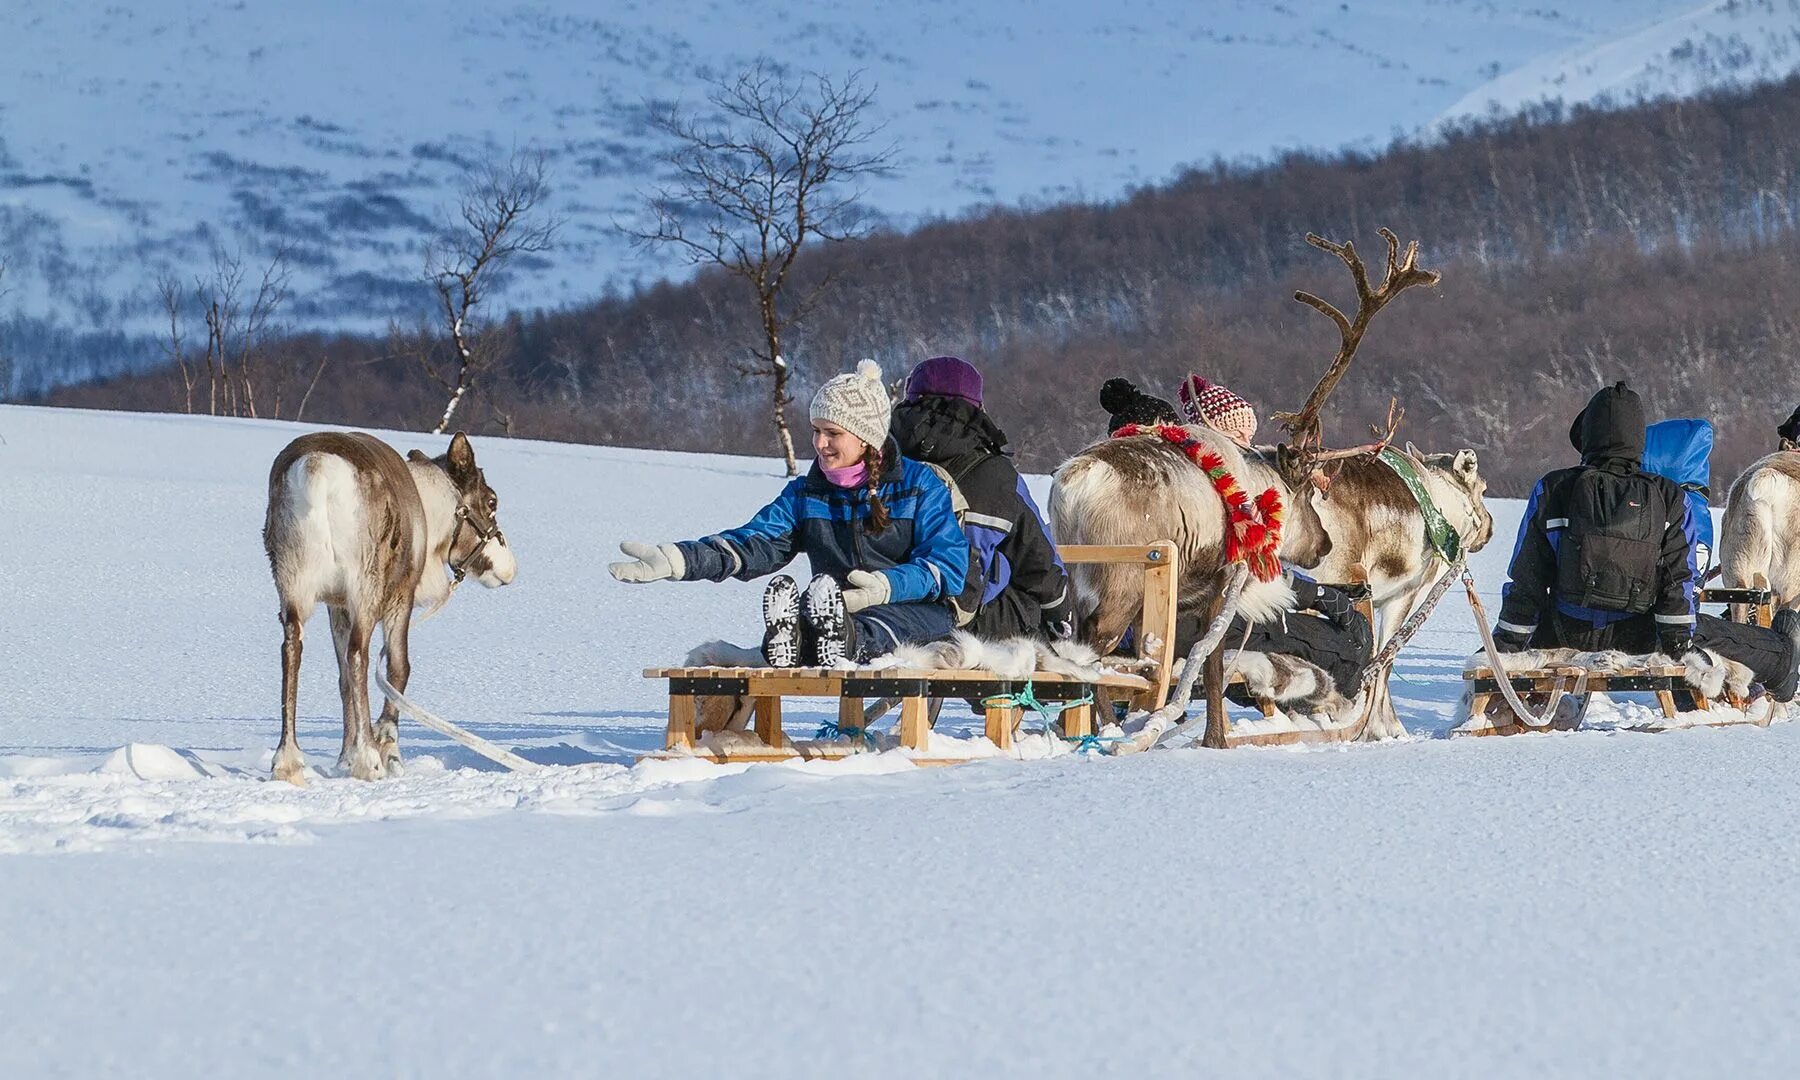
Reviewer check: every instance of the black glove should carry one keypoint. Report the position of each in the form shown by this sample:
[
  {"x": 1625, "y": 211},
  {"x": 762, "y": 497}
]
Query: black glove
[
  {"x": 1508, "y": 641},
  {"x": 1677, "y": 643},
  {"x": 1359, "y": 634}
]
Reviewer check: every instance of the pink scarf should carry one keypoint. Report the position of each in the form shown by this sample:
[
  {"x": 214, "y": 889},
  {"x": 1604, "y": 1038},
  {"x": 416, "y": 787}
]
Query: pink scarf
[{"x": 849, "y": 476}]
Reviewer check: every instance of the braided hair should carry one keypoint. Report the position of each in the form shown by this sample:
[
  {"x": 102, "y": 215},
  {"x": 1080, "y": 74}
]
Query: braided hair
[{"x": 878, "y": 512}]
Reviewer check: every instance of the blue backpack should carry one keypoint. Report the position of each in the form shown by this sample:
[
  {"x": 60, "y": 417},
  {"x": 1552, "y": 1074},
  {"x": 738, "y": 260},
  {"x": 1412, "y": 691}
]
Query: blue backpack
[{"x": 1682, "y": 451}]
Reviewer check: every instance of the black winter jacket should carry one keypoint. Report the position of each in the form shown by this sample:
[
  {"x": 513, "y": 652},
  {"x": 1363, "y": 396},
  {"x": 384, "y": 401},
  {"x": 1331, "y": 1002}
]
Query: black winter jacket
[
  {"x": 1610, "y": 435},
  {"x": 1012, "y": 563}
]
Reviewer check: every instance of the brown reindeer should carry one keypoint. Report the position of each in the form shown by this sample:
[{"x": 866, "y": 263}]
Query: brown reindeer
[
  {"x": 1139, "y": 490},
  {"x": 370, "y": 536},
  {"x": 1375, "y": 522}
]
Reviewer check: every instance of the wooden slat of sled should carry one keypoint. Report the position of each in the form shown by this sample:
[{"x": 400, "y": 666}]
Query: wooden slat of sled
[
  {"x": 1156, "y": 626},
  {"x": 766, "y": 687},
  {"x": 1543, "y": 681}
]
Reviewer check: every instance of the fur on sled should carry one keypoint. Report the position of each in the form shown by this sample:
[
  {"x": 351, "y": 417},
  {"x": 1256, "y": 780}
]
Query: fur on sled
[
  {"x": 1290, "y": 682},
  {"x": 1705, "y": 670}
]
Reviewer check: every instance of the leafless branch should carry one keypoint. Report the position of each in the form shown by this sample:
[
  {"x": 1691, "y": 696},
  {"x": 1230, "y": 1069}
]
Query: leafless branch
[
  {"x": 776, "y": 163},
  {"x": 499, "y": 217}
]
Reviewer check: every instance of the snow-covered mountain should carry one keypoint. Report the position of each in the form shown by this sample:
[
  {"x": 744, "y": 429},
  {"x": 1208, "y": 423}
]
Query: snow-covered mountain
[{"x": 135, "y": 137}]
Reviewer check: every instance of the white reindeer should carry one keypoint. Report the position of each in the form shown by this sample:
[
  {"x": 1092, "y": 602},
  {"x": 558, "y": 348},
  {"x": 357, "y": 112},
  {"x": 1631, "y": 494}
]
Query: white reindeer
[
  {"x": 354, "y": 527},
  {"x": 1761, "y": 534}
]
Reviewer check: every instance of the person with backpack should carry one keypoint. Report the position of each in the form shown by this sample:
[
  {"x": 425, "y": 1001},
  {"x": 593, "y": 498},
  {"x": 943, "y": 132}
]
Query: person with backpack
[
  {"x": 877, "y": 527},
  {"x": 1605, "y": 559},
  {"x": 1016, "y": 585}
]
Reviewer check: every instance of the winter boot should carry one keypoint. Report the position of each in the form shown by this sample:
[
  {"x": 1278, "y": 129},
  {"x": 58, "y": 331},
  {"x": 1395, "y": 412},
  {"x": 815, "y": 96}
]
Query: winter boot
[
  {"x": 1787, "y": 624},
  {"x": 781, "y": 622},
  {"x": 833, "y": 633}
]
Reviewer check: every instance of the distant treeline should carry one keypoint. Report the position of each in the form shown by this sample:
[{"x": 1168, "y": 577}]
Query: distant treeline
[{"x": 1655, "y": 243}]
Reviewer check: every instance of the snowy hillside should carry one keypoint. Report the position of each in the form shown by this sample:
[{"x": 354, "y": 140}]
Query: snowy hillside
[
  {"x": 133, "y": 137},
  {"x": 1719, "y": 44},
  {"x": 1575, "y": 905}
]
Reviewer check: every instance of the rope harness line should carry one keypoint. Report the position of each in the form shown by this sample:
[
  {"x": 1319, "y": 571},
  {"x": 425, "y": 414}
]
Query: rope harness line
[
  {"x": 1502, "y": 677},
  {"x": 831, "y": 729},
  {"x": 1028, "y": 699}
]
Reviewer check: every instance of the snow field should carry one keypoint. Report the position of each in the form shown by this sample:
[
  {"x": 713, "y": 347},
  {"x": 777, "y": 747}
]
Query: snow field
[{"x": 1563, "y": 905}]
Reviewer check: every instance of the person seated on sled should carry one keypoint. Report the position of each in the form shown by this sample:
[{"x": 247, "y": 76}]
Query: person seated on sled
[
  {"x": 1788, "y": 434},
  {"x": 1681, "y": 450},
  {"x": 878, "y": 529},
  {"x": 1016, "y": 585},
  {"x": 1126, "y": 404},
  {"x": 1605, "y": 560},
  {"x": 1323, "y": 626}
]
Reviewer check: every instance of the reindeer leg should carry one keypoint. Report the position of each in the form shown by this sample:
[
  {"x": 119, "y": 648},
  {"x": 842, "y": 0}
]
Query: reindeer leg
[
  {"x": 357, "y": 757},
  {"x": 290, "y": 763},
  {"x": 365, "y": 758},
  {"x": 394, "y": 631}
]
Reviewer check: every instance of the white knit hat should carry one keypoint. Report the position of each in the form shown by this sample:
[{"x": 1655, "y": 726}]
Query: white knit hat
[{"x": 856, "y": 402}]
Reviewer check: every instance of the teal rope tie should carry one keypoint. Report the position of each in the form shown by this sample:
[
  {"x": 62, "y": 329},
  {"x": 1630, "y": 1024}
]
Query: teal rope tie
[
  {"x": 832, "y": 730},
  {"x": 1028, "y": 699}
]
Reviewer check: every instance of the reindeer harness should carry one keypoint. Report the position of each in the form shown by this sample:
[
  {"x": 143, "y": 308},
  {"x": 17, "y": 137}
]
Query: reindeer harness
[{"x": 1254, "y": 536}]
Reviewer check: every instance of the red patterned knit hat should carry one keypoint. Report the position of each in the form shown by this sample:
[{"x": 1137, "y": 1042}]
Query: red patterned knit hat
[{"x": 1217, "y": 408}]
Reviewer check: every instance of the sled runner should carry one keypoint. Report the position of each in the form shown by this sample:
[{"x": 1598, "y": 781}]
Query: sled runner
[
  {"x": 1004, "y": 699},
  {"x": 1542, "y": 688}
]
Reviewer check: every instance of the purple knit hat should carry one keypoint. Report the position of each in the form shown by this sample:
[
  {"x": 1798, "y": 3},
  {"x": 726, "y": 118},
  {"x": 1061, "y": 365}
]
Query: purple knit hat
[{"x": 944, "y": 376}]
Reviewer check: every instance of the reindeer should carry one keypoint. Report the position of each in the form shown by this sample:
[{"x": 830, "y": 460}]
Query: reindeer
[
  {"x": 1138, "y": 490},
  {"x": 354, "y": 527},
  {"x": 1762, "y": 525},
  {"x": 1375, "y": 522}
]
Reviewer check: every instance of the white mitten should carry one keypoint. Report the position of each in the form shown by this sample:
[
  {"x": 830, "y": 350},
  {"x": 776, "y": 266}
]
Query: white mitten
[
  {"x": 649, "y": 562},
  {"x": 866, "y": 590}
]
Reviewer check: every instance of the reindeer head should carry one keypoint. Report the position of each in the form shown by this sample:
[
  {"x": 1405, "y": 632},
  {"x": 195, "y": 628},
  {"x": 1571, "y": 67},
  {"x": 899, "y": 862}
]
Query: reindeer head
[
  {"x": 1463, "y": 470},
  {"x": 477, "y": 546},
  {"x": 1304, "y": 541}
]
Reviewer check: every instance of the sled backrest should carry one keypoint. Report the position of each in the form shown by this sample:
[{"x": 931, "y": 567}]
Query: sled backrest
[{"x": 1155, "y": 634}]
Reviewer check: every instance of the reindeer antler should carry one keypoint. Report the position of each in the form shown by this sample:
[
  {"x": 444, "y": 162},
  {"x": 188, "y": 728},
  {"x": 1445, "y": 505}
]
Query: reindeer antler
[{"x": 1403, "y": 272}]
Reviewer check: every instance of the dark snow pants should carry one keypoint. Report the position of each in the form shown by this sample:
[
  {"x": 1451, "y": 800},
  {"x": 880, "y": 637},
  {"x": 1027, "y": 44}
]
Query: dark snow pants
[{"x": 880, "y": 629}]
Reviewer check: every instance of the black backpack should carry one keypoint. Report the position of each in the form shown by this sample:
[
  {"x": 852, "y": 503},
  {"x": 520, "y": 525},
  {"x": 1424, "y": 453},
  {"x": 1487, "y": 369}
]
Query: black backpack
[{"x": 1611, "y": 548}]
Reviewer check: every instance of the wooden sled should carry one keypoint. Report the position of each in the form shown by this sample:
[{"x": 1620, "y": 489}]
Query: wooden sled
[
  {"x": 766, "y": 688},
  {"x": 1489, "y": 714},
  {"x": 1276, "y": 728}
]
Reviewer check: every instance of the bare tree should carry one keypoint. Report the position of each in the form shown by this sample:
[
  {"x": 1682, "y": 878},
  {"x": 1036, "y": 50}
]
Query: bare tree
[
  {"x": 239, "y": 328},
  {"x": 169, "y": 288},
  {"x": 775, "y": 165},
  {"x": 500, "y": 215},
  {"x": 6, "y": 364}
]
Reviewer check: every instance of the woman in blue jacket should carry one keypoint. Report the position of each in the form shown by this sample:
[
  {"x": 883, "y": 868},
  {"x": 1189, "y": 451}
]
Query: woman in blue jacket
[{"x": 878, "y": 529}]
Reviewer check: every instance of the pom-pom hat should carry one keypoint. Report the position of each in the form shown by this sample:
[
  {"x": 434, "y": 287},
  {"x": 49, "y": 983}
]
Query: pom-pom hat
[{"x": 856, "y": 402}]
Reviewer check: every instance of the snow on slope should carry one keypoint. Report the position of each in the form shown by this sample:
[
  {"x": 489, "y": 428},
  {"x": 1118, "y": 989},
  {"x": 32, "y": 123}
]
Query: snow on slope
[
  {"x": 1359, "y": 911},
  {"x": 133, "y": 137},
  {"x": 1720, "y": 44}
]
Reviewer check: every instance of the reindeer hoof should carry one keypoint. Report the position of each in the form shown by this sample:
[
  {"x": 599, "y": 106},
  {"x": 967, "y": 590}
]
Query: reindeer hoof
[
  {"x": 391, "y": 762},
  {"x": 289, "y": 767},
  {"x": 362, "y": 763}
]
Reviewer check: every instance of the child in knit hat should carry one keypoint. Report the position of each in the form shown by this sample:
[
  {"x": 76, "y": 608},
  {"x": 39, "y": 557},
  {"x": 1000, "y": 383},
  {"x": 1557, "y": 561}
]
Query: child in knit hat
[
  {"x": 878, "y": 529},
  {"x": 1215, "y": 407}
]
